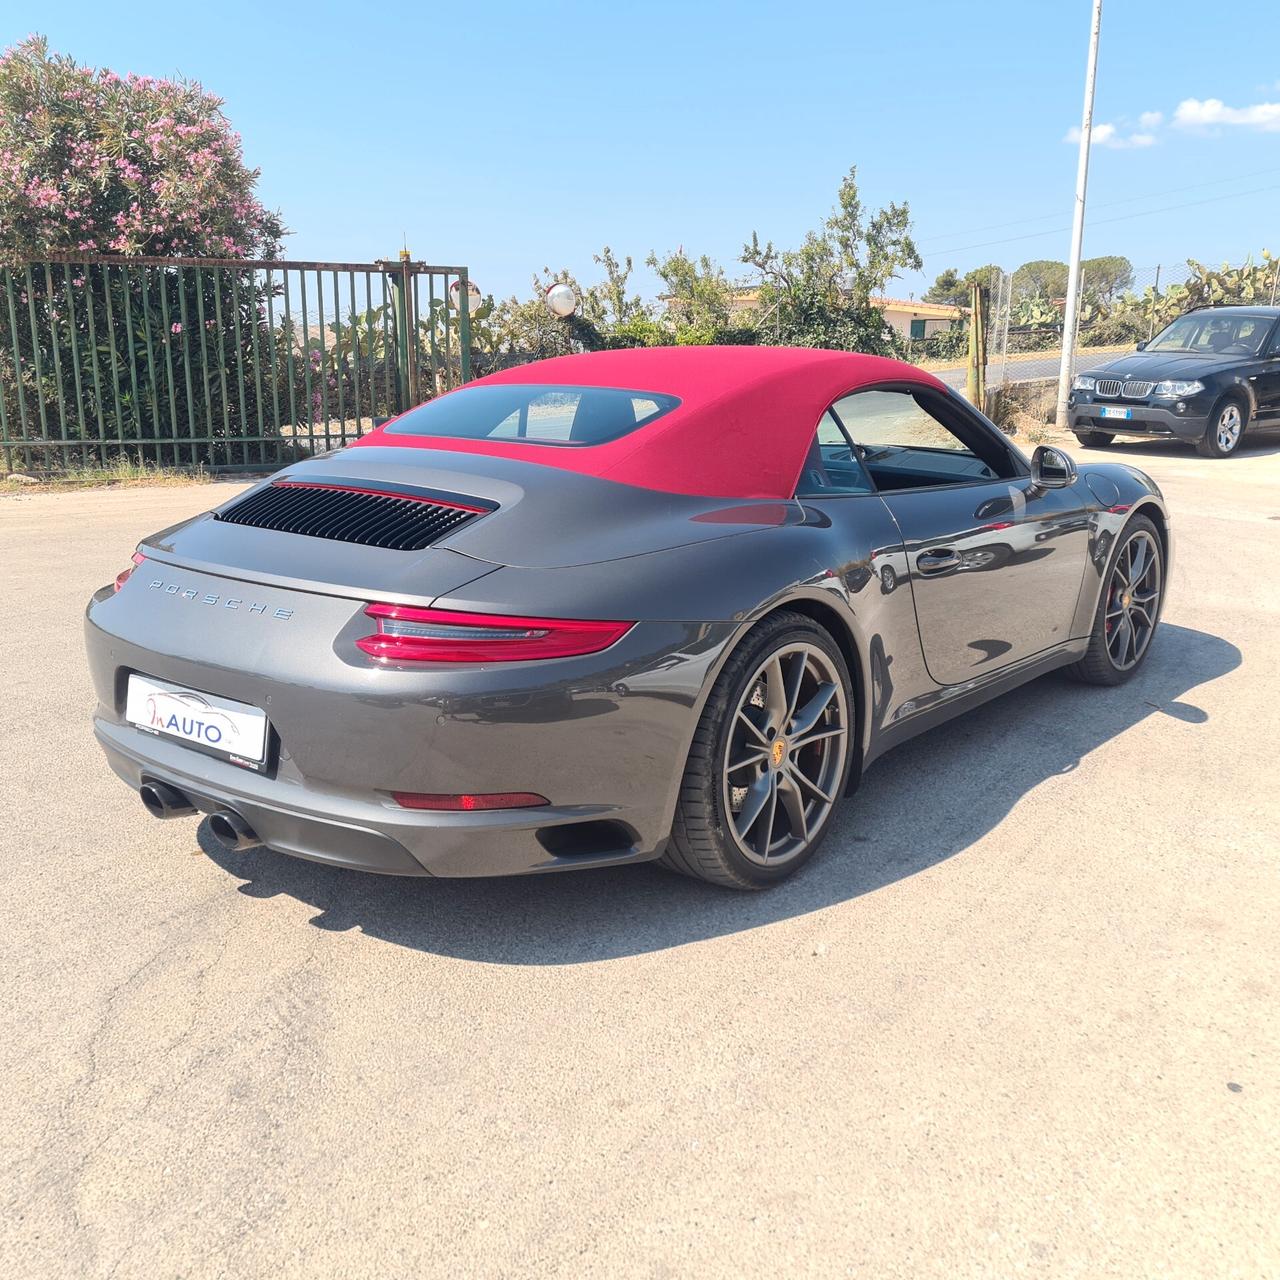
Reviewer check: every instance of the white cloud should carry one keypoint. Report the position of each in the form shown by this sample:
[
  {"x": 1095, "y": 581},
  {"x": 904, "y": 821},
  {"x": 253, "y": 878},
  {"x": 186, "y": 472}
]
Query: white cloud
[
  {"x": 1194, "y": 113},
  {"x": 1191, "y": 114},
  {"x": 1109, "y": 135}
]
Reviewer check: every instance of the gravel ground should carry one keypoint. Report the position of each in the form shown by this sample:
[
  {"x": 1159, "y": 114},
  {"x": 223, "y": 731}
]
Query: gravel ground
[{"x": 1020, "y": 1017}]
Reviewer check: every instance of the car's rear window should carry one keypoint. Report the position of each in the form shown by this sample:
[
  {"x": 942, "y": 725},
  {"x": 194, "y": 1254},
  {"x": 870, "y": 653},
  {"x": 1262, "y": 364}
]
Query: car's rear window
[{"x": 535, "y": 414}]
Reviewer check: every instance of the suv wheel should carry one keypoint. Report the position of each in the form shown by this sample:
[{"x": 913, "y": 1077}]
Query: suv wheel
[
  {"x": 1225, "y": 430},
  {"x": 1095, "y": 439}
]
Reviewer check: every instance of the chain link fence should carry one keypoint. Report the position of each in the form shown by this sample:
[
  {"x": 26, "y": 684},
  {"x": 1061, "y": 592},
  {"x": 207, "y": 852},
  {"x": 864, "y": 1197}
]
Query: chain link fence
[{"x": 1120, "y": 306}]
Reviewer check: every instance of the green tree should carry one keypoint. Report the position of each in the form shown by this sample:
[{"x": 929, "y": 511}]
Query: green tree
[
  {"x": 617, "y": 307},
  {"x": 521, "y": 329},
  {"x": 947, "y": 288},
  {"x": 952, "y": 289},
  {"x": 820, "y": 294},
  {"x": 988, "y": 277},
  {"x": 1041, "y": 278},
  {"x": 697, "y": 293},
  {"x": 1104, "y": 279}
]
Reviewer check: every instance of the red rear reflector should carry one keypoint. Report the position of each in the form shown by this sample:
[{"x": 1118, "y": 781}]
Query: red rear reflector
[
  {"x": 464, "y": 803},
  {"x": 123, "y": 576},
  {"x": 407, "y": 634}
]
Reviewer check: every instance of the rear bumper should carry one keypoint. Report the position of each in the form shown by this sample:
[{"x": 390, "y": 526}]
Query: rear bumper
[
  {"x": 603, "y": 737},
  {"x": 1147, "y": 420},
  {"x": 365, "y": 835}
]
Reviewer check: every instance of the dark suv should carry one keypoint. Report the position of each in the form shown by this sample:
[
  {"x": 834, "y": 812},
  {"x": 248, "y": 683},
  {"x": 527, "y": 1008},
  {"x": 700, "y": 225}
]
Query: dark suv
[{"x": 1209, "y": 375}]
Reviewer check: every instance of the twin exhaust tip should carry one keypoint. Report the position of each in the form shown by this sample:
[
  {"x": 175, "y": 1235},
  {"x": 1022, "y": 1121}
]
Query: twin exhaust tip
[
  {"x": 164, "y": 801},
  {"x": 226, "y": 826},
  {"x": 232, "y": 832}
]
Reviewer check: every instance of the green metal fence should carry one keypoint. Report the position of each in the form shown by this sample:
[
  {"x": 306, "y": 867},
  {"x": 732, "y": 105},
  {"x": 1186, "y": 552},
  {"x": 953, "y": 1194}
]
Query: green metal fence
[{"x": 216, "y": 362}]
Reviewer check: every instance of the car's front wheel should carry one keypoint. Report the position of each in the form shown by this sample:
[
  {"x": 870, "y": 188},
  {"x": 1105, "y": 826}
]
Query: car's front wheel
[
  {"x": 1095, "y": 439},
  {"x": 769, "y": 759},
  {"x": 1225, "y": 431}
]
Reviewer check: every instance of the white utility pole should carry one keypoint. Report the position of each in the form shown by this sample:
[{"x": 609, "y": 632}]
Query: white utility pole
[{"x": 1077, "y": 224}]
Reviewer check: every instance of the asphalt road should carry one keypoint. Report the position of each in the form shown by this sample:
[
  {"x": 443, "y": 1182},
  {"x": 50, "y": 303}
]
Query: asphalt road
[
  {"x": 1024, "y": 367},
  {"x": 1019, "y": 1018}
]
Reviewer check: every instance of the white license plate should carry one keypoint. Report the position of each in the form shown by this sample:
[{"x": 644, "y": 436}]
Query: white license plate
[
  {"x": 231, "y": 729},
  {"x": 1109, "y": 411}
]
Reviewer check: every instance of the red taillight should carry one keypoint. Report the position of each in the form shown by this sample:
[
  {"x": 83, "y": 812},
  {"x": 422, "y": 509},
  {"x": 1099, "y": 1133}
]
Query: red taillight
[
  {"x": 123, "y": 576},
  {"x": 469, "y": 804},
  {"x": 407, "y": 634}
]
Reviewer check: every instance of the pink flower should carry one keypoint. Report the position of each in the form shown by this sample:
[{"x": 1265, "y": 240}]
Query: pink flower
[{"x": 175, "y": 327}]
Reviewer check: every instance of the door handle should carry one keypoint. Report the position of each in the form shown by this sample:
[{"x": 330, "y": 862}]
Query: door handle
[{"x": 934, "y": 561}]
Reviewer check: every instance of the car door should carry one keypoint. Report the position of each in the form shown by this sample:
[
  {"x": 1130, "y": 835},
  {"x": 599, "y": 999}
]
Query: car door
[
  {"x": 1265, "y": 379},
  {"x": 995, "y": 564}
]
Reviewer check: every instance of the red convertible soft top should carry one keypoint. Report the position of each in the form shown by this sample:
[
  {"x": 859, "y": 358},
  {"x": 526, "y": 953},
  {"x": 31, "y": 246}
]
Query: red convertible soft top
[{"x": 743, "y": 427}]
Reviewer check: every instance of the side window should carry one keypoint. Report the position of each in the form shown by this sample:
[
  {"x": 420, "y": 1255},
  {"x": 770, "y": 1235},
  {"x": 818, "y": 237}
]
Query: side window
[
  {"x": 833, "y": 466},
  {"x": 831, "y": 433},
  {"x": 912, "y": 440},
  {"x": 1250, "y": 333}
]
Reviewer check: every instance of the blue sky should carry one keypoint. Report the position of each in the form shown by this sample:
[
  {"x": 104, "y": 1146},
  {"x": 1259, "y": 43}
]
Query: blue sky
[{"x": 509, "y": 137}]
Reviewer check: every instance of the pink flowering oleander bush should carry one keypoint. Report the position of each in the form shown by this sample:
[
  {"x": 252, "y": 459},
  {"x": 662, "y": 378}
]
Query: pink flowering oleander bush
[
  {"x": 173, "y": 362},
  {"x": 96, "y": 163}
]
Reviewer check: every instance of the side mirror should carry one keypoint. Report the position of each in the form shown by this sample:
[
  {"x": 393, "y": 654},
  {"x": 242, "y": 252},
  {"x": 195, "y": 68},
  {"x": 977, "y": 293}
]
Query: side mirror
[
  {"x": 1142, "y": 346},
  {"x": 1051, "y": 468}
]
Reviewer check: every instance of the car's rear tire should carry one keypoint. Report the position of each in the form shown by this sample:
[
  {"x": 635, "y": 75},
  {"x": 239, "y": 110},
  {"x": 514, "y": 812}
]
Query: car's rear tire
[
  {"x": 770, "y": 758},
  {"x": 1095, "y": 439},
  {"x": 1114, "y": 653},
  {"x": 1226, "y": 428}
]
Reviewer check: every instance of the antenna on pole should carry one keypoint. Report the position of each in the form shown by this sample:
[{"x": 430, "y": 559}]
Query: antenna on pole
[{"x": 1072, "y": 307}]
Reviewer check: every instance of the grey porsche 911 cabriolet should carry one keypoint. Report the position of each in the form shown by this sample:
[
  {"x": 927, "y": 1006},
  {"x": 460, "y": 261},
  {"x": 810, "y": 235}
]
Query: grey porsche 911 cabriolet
[{"x": 651, "y": 604}]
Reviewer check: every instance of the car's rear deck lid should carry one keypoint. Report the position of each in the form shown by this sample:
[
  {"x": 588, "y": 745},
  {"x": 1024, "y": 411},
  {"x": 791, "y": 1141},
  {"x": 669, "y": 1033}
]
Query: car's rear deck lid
[{"x": 372, "y": 513}]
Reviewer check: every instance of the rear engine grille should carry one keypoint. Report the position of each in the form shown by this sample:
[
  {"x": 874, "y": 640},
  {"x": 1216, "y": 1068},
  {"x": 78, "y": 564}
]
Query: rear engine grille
[{"x": 401, "y": 520}]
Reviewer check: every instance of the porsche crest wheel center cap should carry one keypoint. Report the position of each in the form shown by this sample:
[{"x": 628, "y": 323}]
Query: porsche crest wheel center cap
[
  {"x": 778, "y": 751},
  {"x": 1125, "y": 599}
]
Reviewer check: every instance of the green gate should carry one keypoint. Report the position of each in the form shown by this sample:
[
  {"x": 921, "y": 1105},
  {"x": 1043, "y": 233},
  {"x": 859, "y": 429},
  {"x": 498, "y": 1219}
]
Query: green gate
[{"x": 220, "y": 363}]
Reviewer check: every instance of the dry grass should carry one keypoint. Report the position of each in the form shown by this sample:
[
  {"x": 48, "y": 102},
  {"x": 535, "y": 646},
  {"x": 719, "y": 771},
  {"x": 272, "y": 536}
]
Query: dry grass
[
  {"x": 1025, "y": 409},
  {"x": 121, "y": 472}
]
